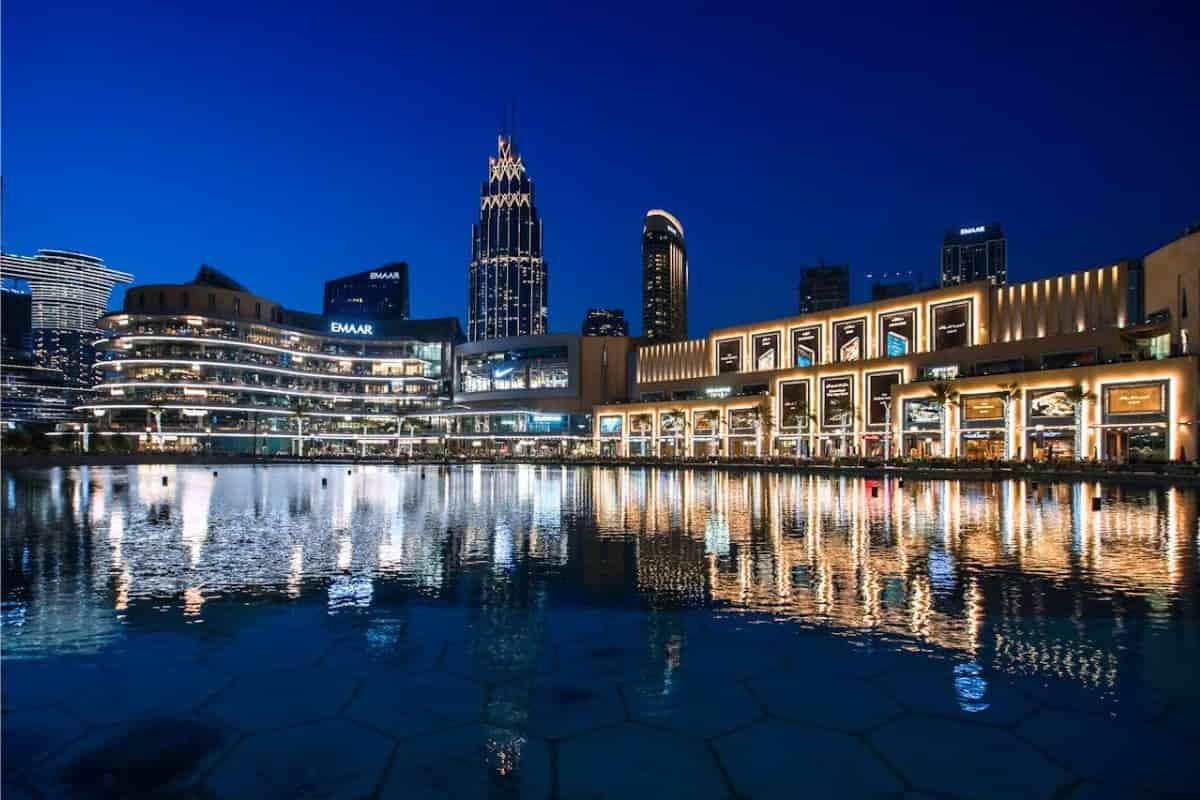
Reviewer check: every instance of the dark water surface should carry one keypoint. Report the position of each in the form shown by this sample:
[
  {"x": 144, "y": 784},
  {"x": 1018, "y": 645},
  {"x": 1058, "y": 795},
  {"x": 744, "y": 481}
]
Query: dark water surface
[{"x": 532, "y": 631}]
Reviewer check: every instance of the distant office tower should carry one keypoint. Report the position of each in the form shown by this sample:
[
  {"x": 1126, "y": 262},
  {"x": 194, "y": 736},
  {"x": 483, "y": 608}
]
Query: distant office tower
[
  {"x": 976, "y": 253},
  {"x": 70, "y": 292},
  {"x": 824, "y": 287},
  {"x": 509, "y": 288},
  {"x": 16, "y": 319},
  {"x": 886, "y": 285},
  {"x": 380, "y": 294},
  {"x": 664, "y": 278},
  {"x": 605, "y": 322}
]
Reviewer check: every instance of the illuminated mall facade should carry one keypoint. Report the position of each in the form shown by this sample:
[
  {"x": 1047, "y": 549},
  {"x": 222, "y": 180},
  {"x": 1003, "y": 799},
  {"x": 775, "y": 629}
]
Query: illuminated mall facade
[
  {"x": 209, "y": 365},
  {"x": 1094, "y": 364}
]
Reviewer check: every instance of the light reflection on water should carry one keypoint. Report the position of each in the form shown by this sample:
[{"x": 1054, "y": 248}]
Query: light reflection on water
[{"x": 997, "y": 574}]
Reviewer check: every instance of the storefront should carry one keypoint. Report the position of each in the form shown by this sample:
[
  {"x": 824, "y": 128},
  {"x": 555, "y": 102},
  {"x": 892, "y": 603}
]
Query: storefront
[
  {"x": 922, "y": 428},
  {"x": 1050, "y": 425},
  {"x": 1135, "y": 418},
  {"x": 611, "y": 426},
  {"x": 982, "y": 445},
  {"x": 706, "y": 440},
  {"x": 743, "y": 432},
  {"x": 641, "y": 435},
  {"x": 982, "y": 420}
]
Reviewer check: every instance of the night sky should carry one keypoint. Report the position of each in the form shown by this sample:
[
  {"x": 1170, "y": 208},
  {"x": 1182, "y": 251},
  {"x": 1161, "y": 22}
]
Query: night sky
[{"x": 287, "y": 145}]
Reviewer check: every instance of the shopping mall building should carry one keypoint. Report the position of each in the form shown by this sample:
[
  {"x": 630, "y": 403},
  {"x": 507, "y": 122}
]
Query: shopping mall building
[
  {"x": 1093, "y": 364},
  {"x": 209, "y": 365}
]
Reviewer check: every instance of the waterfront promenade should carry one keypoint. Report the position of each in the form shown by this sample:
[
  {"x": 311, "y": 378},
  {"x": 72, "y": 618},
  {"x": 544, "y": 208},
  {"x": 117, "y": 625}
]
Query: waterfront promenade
[{"x": 1154, "y": 474}]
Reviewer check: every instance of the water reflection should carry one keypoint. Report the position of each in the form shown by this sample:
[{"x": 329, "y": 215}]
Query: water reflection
[{"x": 1005, "y": 576}]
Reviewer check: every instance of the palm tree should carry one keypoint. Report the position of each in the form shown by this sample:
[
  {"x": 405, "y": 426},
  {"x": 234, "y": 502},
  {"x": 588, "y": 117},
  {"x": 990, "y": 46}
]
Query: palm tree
[
  {"x": 945, "y": 396},
  {"x": 764, "y": 423},
  {"x": 300, "y": 408},
  {"x": 810, "y": 424},
  {"x": 1077, "y": 395},
  {"x": 156, "y": 411},
  {"x": 1010, "y": 393},
  {"x": 681, "y": 427}
]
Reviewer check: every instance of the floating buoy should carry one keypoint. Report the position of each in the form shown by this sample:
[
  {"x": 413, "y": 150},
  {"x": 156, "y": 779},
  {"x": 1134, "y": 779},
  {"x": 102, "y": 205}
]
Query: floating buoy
[
  {"x": 164, "y": 480},
  {"x": 1035, "y": 485},
  {"x": 902, "y": 483},
  {"x": 1095, "y": 504},
  {"x": 324, "y": 481},
  {"x": 215, "y": 473},
  {"x": 347, "y": 472},
  {"x": 874, "y": 491}
]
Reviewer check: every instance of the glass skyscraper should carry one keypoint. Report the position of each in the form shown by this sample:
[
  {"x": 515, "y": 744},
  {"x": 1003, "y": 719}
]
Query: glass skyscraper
[
  {"x": 975, "y": 253},
  {"x": 508, "y": 286},
  {"x": 664, "y": 278},
  {"x": 70, "y": 292},
  {"x": 376, "y": 294}
]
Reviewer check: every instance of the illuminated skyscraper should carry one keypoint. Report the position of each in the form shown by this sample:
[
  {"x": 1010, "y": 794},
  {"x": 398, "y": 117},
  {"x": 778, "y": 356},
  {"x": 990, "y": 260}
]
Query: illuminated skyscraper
[
  {"x": 605, "y": 322},
  {"x": 664, "y": 278},
  {"x": 976, "y": 253},
  {"x": 509, "y": 288},
  {"x": 824, "y": 287},
  {"x": 70, "y": 292}
]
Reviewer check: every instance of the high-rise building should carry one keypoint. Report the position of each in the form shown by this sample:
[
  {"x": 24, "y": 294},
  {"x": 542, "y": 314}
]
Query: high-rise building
[
  {"x": 605, "y": 322},
  {"x": 886, "y": 285},
  {"x": 16, "y": 319},
  {"x": 824, "y": 287},
  {"x": 975, "y": 253},
  {"x": 664, "y": 278},
  {"x": 70, "y": 291},
  {"x": 509, "y": 289},
  {"x": 376, "y": 294}
]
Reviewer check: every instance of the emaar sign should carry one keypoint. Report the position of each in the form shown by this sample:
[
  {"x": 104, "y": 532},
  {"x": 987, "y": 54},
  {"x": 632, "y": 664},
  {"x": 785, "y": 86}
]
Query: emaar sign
[
  {"x": 385, "y": 276},
  {"x": 969, "y": 231},
  {"x": 352, "y": 329}
]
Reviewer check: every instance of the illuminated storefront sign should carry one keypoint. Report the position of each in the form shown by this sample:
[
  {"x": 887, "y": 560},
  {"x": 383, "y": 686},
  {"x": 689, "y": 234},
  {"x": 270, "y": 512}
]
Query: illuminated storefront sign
[
  {"x": 1136, "y": 399},
  {"x": 766, "y": 351},
  {"x": 952, "y": 325},
  {"x": 850, "y": 340},
  {"x": 897, "y": 333},
  {"x": 837, "y": 402},
  {"x": 610, "y": 426},
  {"x": 969, "y": 231},
  {"x": 729, "y": 356},
  {"x": 641, "y": 424},
  {"x": 806, "y": 346},
  {"x": 717, "y": 392},
  {"x": 352, "y": 329},
  {"x": 793, "y": 405},
  {"x": 978, "y": 408},
  {"x": 385, "y": 276},
  {"x": 879, "y": 393},
  {"x": 1050, "y": 404}
]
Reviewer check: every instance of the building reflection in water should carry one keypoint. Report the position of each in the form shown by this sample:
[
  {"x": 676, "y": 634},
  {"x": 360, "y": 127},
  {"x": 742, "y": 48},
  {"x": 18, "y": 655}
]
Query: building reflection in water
[{"x": 1004, "y": 576}]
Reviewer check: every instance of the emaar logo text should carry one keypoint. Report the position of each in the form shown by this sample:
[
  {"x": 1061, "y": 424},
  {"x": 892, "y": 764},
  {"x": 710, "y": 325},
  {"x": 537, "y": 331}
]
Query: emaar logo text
[{"x": 363, "y": 329}]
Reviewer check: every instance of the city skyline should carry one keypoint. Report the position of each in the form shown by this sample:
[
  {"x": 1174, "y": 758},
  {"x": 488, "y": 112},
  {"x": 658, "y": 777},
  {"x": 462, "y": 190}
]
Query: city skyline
[{"x": 597, "y": 172}]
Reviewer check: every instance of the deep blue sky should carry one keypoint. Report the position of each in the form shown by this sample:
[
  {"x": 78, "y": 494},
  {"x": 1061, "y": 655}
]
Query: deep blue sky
[{"x": 287, "y": 145}]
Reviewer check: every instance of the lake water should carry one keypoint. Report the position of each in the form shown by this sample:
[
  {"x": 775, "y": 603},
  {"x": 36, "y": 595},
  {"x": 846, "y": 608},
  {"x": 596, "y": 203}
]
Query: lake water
[{"x": 533, "y": 631}]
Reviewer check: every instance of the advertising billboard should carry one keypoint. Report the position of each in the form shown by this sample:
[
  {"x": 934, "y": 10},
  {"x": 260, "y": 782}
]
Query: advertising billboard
[
  {"x": 793, "y": 405},
  {"x": 729, "y": 356},
  {"x": 982, "y": 407},
  {"x": 952, "y": 325},
  {"x": 1135, "y": 399},
  {"x": 837, "y": 402},
  {"x": 610, "y": 426},
  {"x": 806, "y": 346},
  {"x": 879, "y": 394},
  {"x": 924, "y": 413},
  {"x": 850, "y": 340},
  {"x": 766, "y": 351},
  {"x": 1050, "y": 404},
  {"x": 742, "y": 420},
  {"x": 897, "y": 333},
  {"x": 670, "y": 423},
  {"x": 704, "y": 423}
]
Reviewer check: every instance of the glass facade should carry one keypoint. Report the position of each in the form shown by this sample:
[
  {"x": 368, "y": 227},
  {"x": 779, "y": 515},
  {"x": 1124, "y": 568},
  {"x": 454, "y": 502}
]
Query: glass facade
[{"x": 511, "y": 370}]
